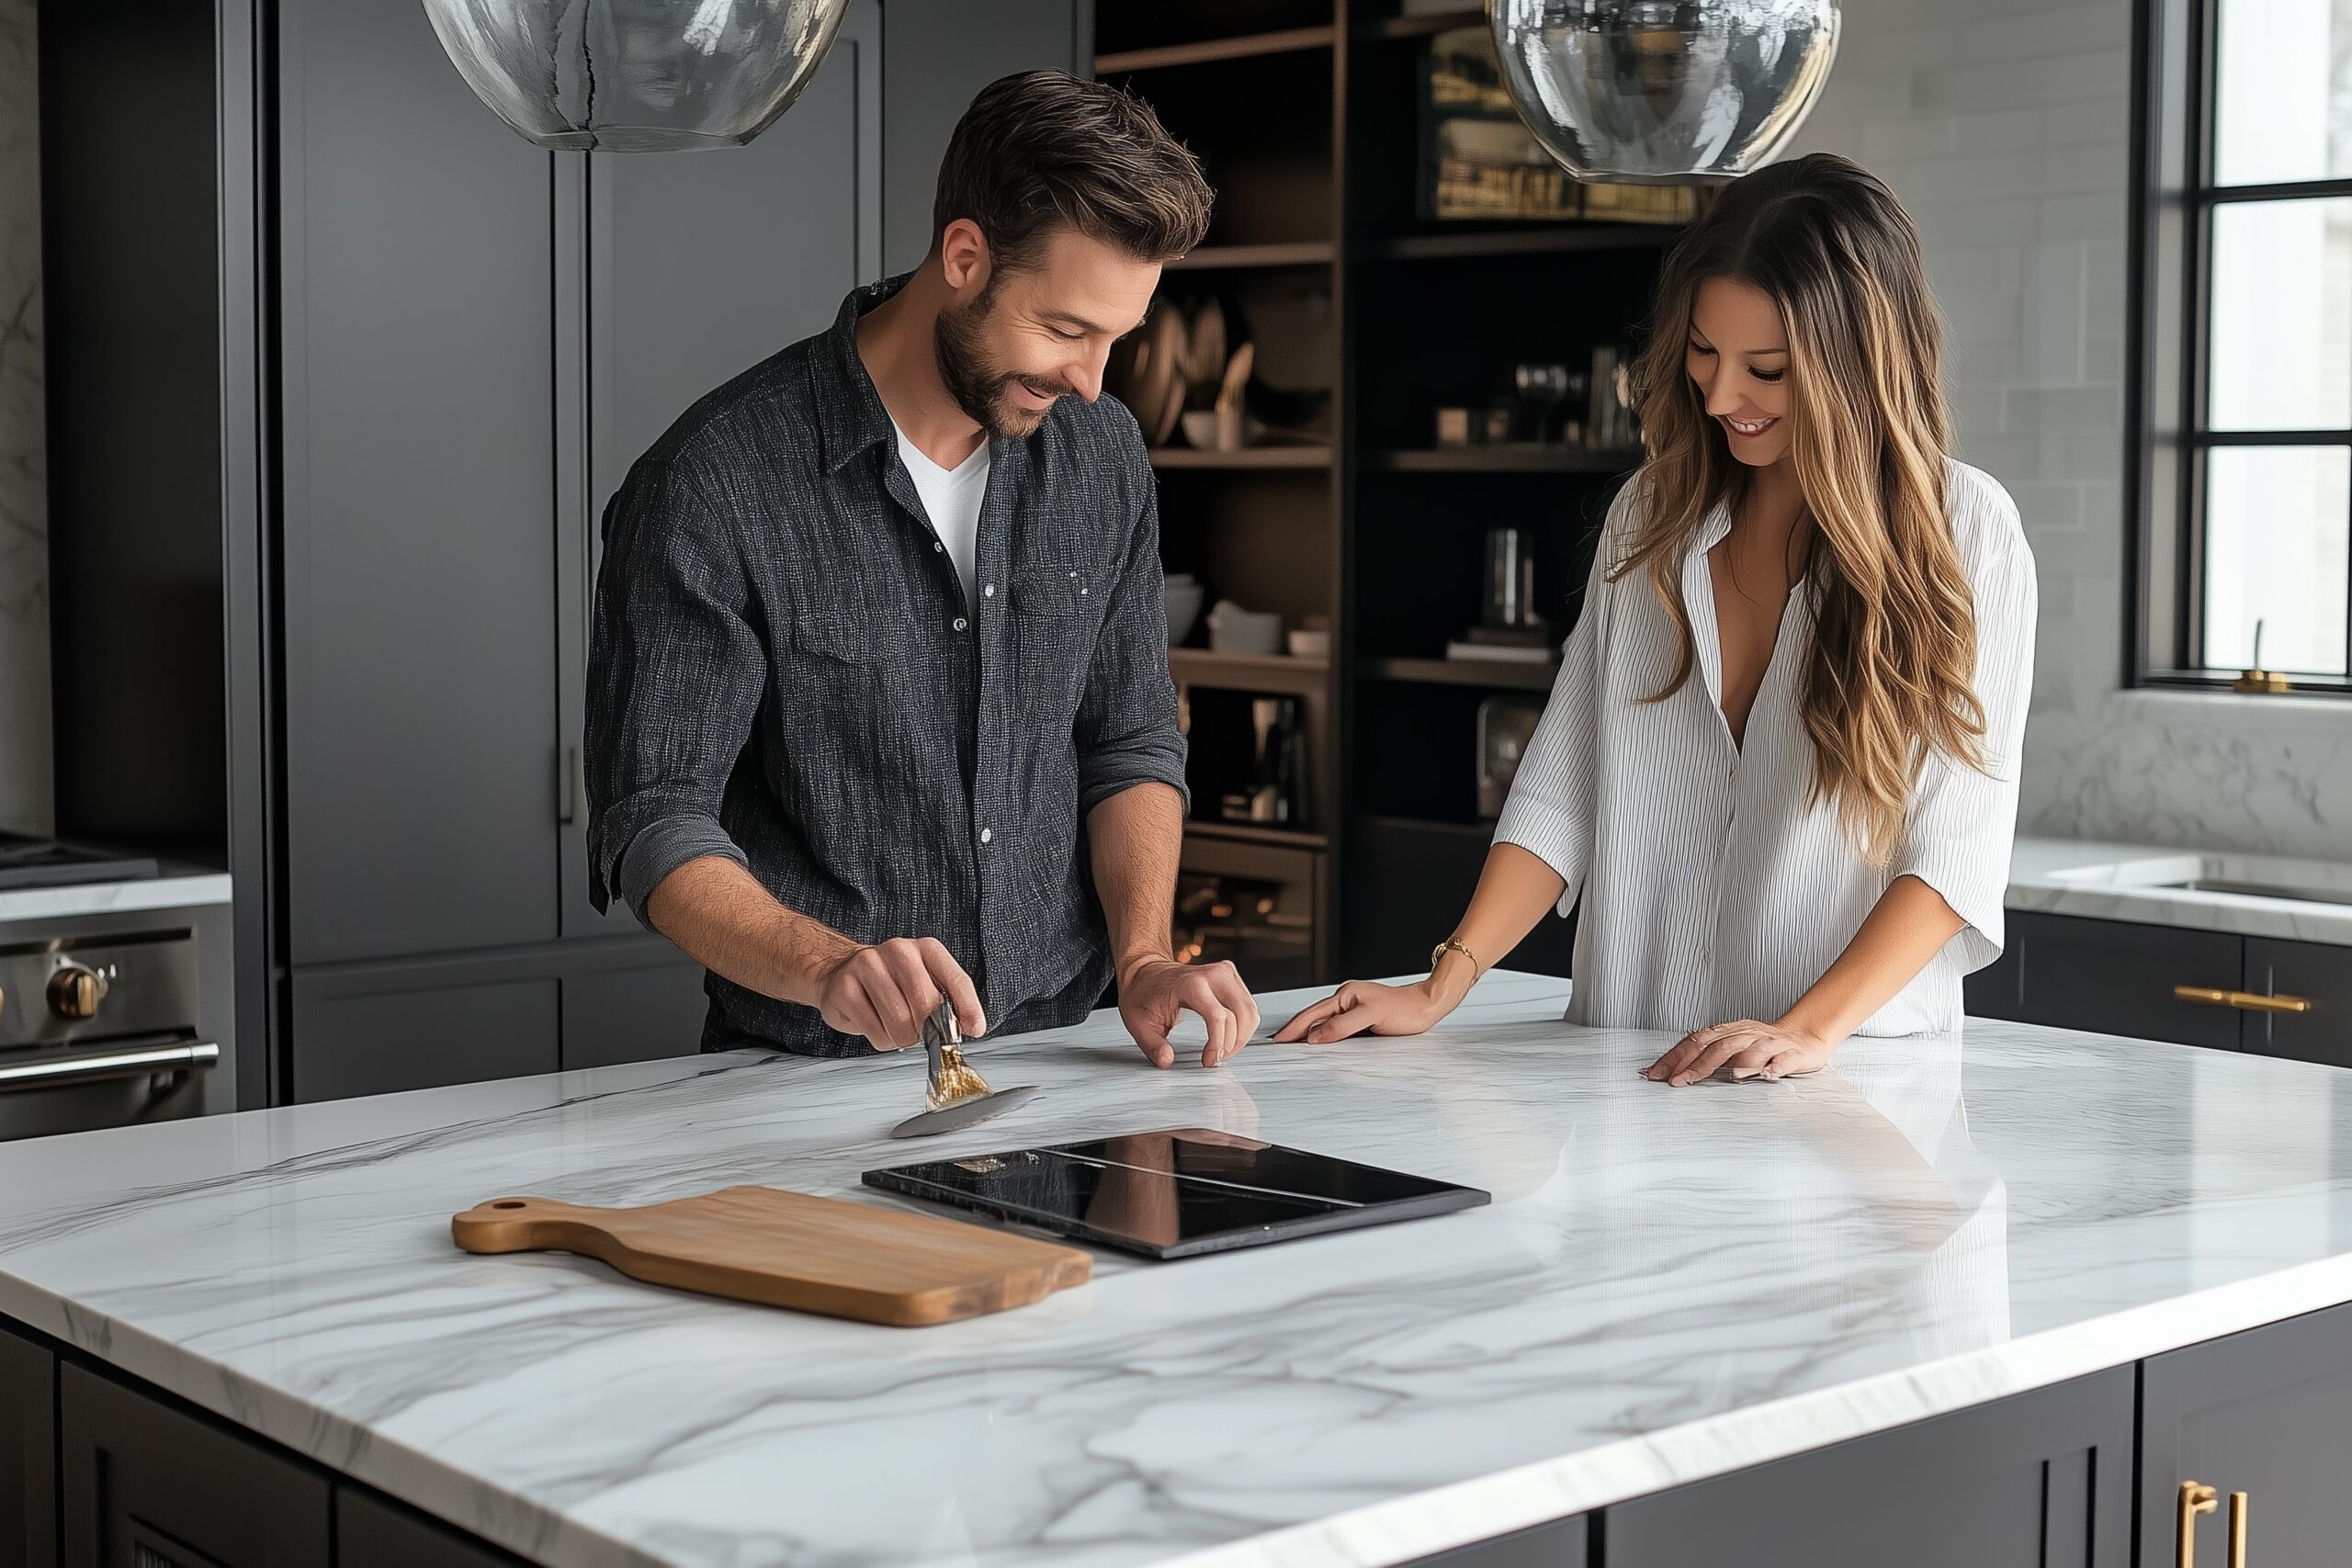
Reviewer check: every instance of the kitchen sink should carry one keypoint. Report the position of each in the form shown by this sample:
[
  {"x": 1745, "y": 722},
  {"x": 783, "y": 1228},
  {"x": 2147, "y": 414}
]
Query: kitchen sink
[{"x": 2272, "y": 878}]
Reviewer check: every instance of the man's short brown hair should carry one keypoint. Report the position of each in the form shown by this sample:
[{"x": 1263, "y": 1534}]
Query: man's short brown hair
[{"x": 1041, "y": 149}]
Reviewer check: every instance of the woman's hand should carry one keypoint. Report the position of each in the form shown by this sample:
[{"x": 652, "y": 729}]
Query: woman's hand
[
  {"x": 1362, "y": 1007},
  {"x": 1747, "y": 1048}
]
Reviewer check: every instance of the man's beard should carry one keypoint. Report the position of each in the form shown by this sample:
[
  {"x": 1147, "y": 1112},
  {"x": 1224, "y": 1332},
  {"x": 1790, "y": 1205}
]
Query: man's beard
[{"x": 979, "y": 388}]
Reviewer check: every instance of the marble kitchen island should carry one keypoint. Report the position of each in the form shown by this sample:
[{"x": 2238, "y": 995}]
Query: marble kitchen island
[{"x": 1671, "y": 1285}]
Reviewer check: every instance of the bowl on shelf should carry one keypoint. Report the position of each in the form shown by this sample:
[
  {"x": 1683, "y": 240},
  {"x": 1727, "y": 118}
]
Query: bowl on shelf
[
  {"x": 1183, "y": 596},
  {"x": 1233, "y": 629},
  {"x": 1310, "y": 642}
]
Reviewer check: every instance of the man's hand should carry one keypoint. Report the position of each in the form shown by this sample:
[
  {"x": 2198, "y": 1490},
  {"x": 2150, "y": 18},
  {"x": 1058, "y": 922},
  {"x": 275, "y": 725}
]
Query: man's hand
[
  {"x": 1158, "y": 991},
  {"x": 885, "y": 991}
]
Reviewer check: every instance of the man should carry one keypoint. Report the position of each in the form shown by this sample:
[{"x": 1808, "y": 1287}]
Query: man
[{"x": 879, "y": 710}]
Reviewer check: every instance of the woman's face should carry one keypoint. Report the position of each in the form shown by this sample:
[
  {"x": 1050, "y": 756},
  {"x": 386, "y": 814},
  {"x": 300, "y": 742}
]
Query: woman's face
[{"x": 1738, "y": 355}]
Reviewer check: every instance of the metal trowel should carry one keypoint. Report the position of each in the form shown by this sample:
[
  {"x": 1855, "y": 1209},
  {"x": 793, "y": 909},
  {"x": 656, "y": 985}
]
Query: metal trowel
[{"x": 957, "y": 1096}]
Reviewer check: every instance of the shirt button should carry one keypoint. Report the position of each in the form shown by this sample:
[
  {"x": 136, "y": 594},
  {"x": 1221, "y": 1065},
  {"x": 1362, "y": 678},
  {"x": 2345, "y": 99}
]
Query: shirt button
[
  {"x": 988, "y": 591},
  {"x": 961, "y": 624},
  {"x": 986, "y": 835}
]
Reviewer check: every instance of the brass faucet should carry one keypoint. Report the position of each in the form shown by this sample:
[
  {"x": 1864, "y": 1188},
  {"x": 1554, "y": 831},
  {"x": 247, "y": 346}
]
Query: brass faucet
[{"x": 2257, "y": 678}]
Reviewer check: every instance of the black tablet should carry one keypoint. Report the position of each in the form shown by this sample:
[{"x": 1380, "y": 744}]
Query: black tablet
[{"x": 1177, "y": 1192}]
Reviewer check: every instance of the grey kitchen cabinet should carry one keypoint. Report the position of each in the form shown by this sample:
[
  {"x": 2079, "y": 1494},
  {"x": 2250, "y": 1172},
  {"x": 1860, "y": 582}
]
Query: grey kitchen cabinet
[
  {"x": 373, "y": 1531},
  {"x": 2039, "y": 1480},
  {"x": 28, "y": 1452},
  {"x": 2114, "y": 977},
  {"x": 381, "y": 1028},
  {"x": 148, "y": 1484},
  {"x": 420, "y": 648},
  {"x": 632, "y": 1010},
  {"x": 679, "y": 272},
  {"x": 2313, "y": 972},
  {"x": 2267, "y": 1413},
  {"x": 478, "y": 339}
]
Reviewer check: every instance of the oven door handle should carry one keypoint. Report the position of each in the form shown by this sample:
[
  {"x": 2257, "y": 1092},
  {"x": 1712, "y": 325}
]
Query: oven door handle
[{"x": 90, "y": 1066}]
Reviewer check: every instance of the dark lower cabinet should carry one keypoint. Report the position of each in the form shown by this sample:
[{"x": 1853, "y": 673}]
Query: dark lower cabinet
[
  {"x": 1563, "y": 1543},
  {"x": 2112, "y": 977},
  {"x": 2267, "y": 1413},
  {"x": 2041, "y": 1480},
  {"x": 2317, "y": 972},
  {"x": 149, "y": 1485},
  {"x": 375, "y": 1532},
  {"x": 363, "y": 1033},
  {"x": 28, "y": 1452},
  {"x": 653, "y": 1008},
  {"x": 2120, "y": 977}
]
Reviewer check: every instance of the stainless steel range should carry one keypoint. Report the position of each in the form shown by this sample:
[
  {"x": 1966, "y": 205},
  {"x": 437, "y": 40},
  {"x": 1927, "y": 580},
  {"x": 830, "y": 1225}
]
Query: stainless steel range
[{"x": 114, "y": 999}]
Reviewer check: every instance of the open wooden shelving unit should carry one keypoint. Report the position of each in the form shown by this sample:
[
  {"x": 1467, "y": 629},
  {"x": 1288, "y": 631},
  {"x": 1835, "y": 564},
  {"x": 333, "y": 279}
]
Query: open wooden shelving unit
[{"x": 1305, "y": 114}]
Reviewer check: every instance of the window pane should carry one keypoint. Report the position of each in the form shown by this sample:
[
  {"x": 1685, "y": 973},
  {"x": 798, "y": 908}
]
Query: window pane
[
  {"x": 2280, "y": 354},
  {"x": 2278, "y": 113},
  {"x": 2275, "y": 531}
]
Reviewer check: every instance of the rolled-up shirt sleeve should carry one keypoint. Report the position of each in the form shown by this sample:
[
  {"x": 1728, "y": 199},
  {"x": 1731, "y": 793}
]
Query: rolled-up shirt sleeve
[
  {"x": 675, "y": 674},
  {"x": 1125, "y": 730},
  {"x": 1554, "y": 796},
  {"x": 1956, "y": 835}
]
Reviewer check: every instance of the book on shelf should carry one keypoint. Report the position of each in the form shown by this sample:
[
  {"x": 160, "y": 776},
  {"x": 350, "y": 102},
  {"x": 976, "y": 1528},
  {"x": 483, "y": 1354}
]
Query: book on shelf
[{"x": 1499, "y": 653}]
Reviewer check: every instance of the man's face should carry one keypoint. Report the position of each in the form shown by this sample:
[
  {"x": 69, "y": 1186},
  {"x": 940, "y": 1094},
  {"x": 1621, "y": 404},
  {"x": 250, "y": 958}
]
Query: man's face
[{"x": 1012, "y": 342}]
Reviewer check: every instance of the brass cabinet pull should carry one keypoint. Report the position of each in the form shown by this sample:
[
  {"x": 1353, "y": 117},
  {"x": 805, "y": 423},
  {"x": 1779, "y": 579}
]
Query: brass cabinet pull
[
  {"x": 2195, "y": 1498},
  {"x": 2237, "y": 1530},
  {"x": 2244, "y": 1001}
]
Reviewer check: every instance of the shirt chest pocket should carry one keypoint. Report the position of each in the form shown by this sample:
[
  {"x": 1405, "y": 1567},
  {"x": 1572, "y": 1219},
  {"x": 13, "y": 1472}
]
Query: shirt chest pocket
[
  {"x": 832, "y": 634},
  {"x": 1056, "y": 614}
]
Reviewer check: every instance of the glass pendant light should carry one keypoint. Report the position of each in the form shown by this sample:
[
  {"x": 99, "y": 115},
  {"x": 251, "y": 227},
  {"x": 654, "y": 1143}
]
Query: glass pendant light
[
  {"x": 637, "y": 75},
  {"x": 1663, "y": 91}
]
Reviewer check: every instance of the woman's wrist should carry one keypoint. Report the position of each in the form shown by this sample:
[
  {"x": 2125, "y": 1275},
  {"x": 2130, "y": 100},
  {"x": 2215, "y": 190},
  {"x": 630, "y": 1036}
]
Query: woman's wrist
[{"x": 1451, "y": 979}]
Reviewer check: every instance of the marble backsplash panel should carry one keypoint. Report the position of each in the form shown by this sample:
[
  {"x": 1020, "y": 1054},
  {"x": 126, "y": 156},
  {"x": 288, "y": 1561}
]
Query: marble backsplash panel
[{"x": 25, "y": 804}]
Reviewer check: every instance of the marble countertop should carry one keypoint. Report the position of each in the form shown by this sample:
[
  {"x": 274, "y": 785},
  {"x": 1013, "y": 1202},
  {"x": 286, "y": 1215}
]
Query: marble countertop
[
  {"x": 1669, "y": 1284},
  {"x": 177, "y": 888},
  {"x": 2116, "y": 882}
]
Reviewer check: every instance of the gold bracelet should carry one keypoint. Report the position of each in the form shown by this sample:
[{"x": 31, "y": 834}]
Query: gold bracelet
[{"x": 1449, "y": 943}]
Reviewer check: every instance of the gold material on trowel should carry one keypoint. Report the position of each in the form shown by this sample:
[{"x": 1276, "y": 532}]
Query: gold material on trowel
[
  {"x": 952, "y": 1077},
  {"x": 957, "y": 1096}
]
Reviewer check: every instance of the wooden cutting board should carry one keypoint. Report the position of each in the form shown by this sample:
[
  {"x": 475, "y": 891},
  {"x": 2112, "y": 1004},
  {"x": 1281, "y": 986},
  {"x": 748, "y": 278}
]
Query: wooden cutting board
[{"x": 790, "y": 1250}]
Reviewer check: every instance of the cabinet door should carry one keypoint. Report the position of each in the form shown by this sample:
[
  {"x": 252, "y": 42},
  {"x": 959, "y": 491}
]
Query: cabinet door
[
  {"x": 2318, "y": 973},
  {"x": 375, "y": 1532},
  {"x": 2267, "y": 1413},
  {"x": 150, "y": 1485},
  {"x": 28, "y": 1452},
  {"x": 1995, "y": 990},
  {"x": 2040, "y": 1480},
  {"x": 419, "y": 661},
  {"x": 378, "y": 1032},
  {"x": 686, "y": 269},
  {"x": 2117, "y": 978},
  {"x": 633, "y": 1009}
]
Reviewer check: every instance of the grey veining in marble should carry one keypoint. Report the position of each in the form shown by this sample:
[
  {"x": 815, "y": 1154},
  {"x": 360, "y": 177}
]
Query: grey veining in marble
[
  {"x": 2128, "y": 882},
  {"x": 1669, "y": 1284},
  {"x": 23, "y": 544}
]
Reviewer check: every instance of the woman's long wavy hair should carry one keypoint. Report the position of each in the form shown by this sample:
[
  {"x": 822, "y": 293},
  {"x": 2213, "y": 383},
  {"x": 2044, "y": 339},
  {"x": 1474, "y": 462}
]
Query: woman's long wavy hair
[{"x": 1891, "y": 672}]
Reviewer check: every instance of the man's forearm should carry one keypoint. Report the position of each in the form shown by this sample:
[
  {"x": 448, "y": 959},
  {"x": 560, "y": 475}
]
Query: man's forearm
[
  {"x": 720, "y": 915},
  {"x": 1134, "y": 839}
]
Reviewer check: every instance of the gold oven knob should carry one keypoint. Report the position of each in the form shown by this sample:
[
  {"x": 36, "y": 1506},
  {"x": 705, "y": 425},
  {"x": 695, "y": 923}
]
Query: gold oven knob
[{"x": 75, "y": 991}]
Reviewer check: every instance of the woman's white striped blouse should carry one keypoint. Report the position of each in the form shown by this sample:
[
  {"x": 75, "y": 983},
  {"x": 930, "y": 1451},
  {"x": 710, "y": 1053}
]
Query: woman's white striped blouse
[{"x": 1709, "y": 888}]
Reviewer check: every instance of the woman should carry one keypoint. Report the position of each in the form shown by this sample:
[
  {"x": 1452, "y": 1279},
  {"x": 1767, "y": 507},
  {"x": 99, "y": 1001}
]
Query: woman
[{"x": 1778, "y": 768}]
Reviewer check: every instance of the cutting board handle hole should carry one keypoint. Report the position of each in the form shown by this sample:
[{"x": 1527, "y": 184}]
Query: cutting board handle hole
[{"x": 508, "y": 1204}]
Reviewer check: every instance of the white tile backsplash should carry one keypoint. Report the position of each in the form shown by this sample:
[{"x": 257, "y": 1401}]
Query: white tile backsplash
[
  {"x": 2004, "y": 127},
  {"x": 24, "y": 769}
]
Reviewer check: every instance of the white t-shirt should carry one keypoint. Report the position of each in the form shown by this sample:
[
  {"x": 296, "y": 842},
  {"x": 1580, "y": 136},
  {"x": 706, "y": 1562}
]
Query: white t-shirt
[
  {"x": 1712, "y": 887},
  {"x": 951, "y": 499}
]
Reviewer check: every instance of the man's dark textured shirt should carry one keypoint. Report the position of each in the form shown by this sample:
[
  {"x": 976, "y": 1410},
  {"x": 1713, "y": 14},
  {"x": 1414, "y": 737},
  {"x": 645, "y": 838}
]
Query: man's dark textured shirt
[{"x": 786, "y": 671}]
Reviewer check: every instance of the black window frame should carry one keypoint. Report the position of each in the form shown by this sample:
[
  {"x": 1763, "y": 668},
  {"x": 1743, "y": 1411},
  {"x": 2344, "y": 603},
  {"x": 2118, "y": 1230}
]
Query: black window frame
[{"x": 2172, "y": 204}]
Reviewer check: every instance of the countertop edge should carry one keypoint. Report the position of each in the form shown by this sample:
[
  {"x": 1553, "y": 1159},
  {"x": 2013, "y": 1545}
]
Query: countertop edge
[
  {"x": 173, "y": 890},
  {"x": 2033, "y": 888},
  {"x": 1377, "y": 1535}
]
